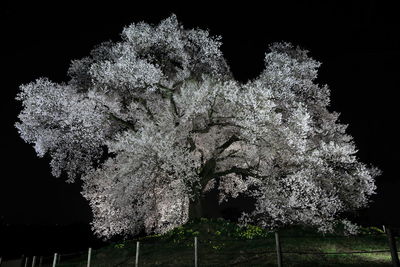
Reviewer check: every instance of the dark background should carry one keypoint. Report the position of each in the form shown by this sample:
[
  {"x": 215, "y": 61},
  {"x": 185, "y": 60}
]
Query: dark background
[{"x": 357, "y": 42}]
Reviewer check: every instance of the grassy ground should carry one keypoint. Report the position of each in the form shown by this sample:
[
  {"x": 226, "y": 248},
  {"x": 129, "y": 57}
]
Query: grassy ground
[{"x": 221, "y": 243}]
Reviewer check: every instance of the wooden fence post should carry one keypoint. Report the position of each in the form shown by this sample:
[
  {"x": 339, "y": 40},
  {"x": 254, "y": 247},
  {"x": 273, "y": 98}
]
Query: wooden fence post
[
  {"x": 195, "y": 251},
  {"x": 55, "y": 260},
  {"x": 137, "y": 254},
  {"x": 33, "y": 261},
  {"x": 26, "y": 261},
  {"x": 40, "y": 261},
  {"x": 392, "y": 245},
  {"x": 89, "y": 256},
  {"x": 278, "y": 249}
]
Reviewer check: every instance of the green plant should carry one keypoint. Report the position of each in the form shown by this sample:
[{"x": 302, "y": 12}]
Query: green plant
[
  {"x": 251, "y": 232},
  {"x": 372, "y": 230},
  {"x": 118, "y": 246}
]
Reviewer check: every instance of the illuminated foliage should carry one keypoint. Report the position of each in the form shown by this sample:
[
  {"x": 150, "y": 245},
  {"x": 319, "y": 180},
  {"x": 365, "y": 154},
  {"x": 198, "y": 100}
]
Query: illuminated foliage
[{"x": 154, "y": 121}]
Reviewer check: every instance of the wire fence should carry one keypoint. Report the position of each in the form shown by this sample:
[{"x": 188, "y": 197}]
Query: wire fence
[{"x": 191, "y": 251}]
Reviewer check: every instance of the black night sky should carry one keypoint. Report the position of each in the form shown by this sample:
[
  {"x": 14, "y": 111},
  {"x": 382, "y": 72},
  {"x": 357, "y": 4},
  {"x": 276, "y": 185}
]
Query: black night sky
[{"x": 357, "y": 43}]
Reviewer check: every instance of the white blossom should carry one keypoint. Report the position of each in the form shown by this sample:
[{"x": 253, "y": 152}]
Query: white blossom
[{"x": 153, "y": 122}]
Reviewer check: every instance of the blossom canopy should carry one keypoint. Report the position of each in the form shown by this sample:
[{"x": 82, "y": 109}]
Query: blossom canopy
[{"x": 154, "y": 121}]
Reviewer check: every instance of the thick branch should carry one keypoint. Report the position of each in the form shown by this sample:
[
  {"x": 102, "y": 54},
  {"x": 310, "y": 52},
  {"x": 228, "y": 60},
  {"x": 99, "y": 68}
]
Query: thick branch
[
  {"x": 238, "y": 170},
  {"x": 174, "y": 108},
  {"x": 212, "y": 124},
  {"x": 169, "y": 94},
  {"x": 169, "y": 90},
  {"x": 230, "y": 155},
  {"x": 121, "y": 121},
  {"x": 144, "y": 104},
  {"x": 225, "y": 145},
  {"x": 191, "y": 143}
]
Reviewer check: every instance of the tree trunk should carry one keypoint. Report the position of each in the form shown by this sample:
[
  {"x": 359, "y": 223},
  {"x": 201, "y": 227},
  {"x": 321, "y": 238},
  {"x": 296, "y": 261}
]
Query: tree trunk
[
  {"x": 195, "y": 208},
  {"x": 196, "y": 205}
]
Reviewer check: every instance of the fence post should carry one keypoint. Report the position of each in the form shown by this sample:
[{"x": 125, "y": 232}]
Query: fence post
[
  {"x": 393, "y": 249},
  {"x": 55, "y": 260},
  {"x": 137, "y": 254},
  {"x": 33, "y": 261},
  {"x": 195, "y": 251},
  {"x": 89, "y": 256},
  {"x": 40, "y": 261},
  {"x": 0, "y": 260},
  {"x": 26, "y": 261},
  {"x": 278, "y": 249}
]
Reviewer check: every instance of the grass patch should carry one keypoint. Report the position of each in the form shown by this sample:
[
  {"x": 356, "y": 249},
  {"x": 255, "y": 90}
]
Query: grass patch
[{"x": 222, "y": 243}]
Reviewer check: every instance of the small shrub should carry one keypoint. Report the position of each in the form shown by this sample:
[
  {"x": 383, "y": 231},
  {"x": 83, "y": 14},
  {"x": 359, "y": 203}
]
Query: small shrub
[
  {"x": 372, "y": 230},
  {"x": 119, "y": 246}
]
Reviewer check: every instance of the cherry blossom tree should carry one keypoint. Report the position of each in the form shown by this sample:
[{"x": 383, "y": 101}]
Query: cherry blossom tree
[{"x": 154, "y": 121}]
